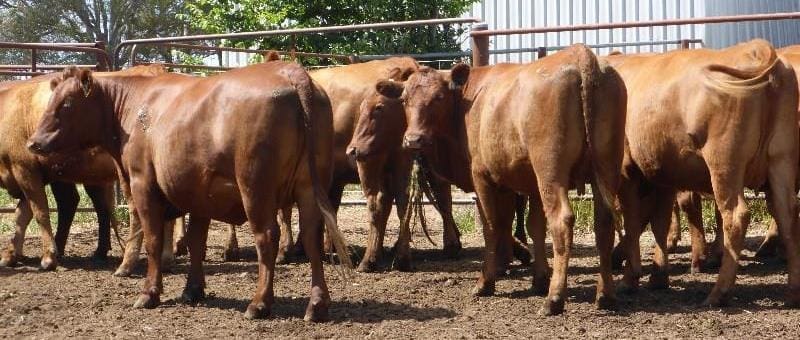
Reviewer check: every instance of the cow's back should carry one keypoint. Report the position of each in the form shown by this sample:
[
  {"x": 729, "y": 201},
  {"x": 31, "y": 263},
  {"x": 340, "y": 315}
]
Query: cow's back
[{"x": 687, "y": 107}]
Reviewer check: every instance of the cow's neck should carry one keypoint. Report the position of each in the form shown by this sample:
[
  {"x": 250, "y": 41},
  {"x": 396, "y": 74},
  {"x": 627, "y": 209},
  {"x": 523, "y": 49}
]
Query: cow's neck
[
  {"x": 120, "y": 102},
  {"x": 456, "y": 165}
]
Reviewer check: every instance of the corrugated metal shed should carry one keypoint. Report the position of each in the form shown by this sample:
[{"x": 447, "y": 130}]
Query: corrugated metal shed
[{"x": 499, "y": 14}]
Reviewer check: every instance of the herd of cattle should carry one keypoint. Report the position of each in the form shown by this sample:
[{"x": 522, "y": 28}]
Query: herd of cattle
[{"x": 246, "y": 146}]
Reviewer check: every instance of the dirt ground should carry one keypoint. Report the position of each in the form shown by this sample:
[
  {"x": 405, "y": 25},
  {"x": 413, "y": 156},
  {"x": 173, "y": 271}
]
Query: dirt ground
[{"x": 83, "y": 299}]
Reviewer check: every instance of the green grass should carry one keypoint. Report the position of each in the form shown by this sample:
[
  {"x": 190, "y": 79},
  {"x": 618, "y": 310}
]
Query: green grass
[{"x": 465, "y": 218}]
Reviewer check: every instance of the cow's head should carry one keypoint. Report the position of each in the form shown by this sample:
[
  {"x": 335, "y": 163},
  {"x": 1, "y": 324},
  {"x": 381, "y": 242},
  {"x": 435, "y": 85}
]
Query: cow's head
[
  {"x": 381, "y": 122},
  {"x": 72, "y": 119},
  {"x": 430, "y": 99}
]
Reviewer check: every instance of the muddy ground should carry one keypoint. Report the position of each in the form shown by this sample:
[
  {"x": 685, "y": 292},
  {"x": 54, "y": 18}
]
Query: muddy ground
[{"x": 83, "y": 299}]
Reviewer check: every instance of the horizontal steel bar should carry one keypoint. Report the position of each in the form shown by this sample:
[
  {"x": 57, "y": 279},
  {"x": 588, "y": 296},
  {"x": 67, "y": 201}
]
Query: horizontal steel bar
[
  {"x": 42, "y": 67},
  {"x": 293, "y": 31},
  {"x": 634, "y": 24},
  {"x": 301, "y": 31},
  {"x": 189, "y": 66},
  {"x": 245, "y": 50},
  {"x": 524, "y": 50},
  {"x": 51, "y": 47}
]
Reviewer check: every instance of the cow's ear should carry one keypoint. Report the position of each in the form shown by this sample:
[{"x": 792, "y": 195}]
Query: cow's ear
[
  {"x": 54, "y": 83},
  {"x": 390, "y": 88},
  {"x": 458, "y": 76},
  {"x": 85, "y": 77},
  {"x": 271, "y": 56}
]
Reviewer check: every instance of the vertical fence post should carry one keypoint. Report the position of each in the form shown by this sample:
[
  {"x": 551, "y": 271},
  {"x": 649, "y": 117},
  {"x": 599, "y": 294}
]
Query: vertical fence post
[
  {"x": 685, "y": 44},
  {"x": 102, "y": 61},
  {"x": 541, "y": 52},
  {"x": 480, "y": 45},
  {"x": 33, "y": 60}
]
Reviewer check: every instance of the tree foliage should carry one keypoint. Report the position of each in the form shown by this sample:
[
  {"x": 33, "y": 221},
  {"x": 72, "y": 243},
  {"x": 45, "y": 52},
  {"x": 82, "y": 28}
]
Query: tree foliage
[
  {"x": 110, "y": 21},
  {"x": 221, "y": 16}
]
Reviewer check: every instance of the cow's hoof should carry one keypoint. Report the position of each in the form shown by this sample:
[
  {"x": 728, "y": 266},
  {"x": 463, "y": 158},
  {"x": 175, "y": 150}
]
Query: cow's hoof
[
  {"x": 606, "y": 302},
  {"x": 193, "y": 294},
  {"x": 49, "y": 263},
  {"x": 317, "y": 310},
  {"x": 256, "y": 311},
  {"x": 180, "y": 248},
  {"x": 282, "y": 258},
  {"x": 367, "y": 266},
  {"x": 167, "y": 264},
  {"x": 716, "y": 300},
  {"x": 628, "y": 287},
  {"x": 231, "y": 255},
  {"x": 123, "y": 271},
  {"x": 451, "y": 251},
  {"x": 540, "y": 285},
  {"x": 658, "y": 280},
  {"x": 9, "y": 260},
  {"x": 793, "y": 298},
  {"x": 100, "y": 257},
  {"x": 552, "y": 306},
  {"x": 403, "y": 264},
  {"x": 148, "y": 301},
  {"x": 522, "y": 254},
  {"x": 617, "y": 259},
  {"x": 483, "y": 289}
]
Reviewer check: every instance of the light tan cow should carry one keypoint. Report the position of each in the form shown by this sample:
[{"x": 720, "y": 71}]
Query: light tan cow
[{"x": 713, "y": 121}]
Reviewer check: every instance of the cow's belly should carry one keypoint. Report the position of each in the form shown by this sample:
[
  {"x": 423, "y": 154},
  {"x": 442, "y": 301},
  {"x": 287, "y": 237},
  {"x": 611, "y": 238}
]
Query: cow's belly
[
  {"x": 210, "y": 195},
  {"x": 87, "y": 167},
  {"x": 672, "y": 163}
]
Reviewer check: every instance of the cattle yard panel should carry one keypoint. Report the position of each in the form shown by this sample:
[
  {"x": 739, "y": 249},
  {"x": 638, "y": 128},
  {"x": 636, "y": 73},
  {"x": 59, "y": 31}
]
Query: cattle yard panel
[
  {"x": 480, "y": 33},
  {"x": 288, "y": 32},
  {"x": 34, "y": 69}
]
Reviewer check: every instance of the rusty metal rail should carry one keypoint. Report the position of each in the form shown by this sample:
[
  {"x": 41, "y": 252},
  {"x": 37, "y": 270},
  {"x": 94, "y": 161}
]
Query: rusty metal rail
[
  {"x": 288, "y": 32},
  {"x": 480, "y": 33},
  {"x": 97, "y": 49}
]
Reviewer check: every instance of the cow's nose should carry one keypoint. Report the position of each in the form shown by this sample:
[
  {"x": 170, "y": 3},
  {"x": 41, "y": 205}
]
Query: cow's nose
[
  {"x": 35, "y": 147},
  {"x": 353, "y": 154},
  {"x": 413, "y": 141}
]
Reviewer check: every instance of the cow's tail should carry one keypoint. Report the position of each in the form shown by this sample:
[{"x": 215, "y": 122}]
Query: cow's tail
[
  {"x": 303, "y": 84},
  {"x": 590, "y": 77},
  {"x": 745, "y": 78}
]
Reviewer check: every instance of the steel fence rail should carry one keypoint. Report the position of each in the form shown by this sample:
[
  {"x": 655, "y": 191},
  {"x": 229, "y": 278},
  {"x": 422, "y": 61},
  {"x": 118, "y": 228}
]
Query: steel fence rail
[{"x": 290, "y": 32}]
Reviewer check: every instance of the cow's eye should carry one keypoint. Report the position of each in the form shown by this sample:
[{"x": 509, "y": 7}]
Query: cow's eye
[
  {"x": 67, "y": 102},
  {"x": 439, "y": 96}
]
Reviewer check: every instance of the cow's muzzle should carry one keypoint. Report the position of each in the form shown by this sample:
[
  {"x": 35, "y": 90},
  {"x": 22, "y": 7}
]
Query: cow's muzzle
[
  {"x": 414, "y": 142},
  {"x": 37, "y": 147}
]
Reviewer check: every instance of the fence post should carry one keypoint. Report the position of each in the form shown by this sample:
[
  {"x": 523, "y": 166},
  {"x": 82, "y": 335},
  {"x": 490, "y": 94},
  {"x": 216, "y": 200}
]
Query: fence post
[
  {"x": 477, "y": 214},
  {"x": 685, "y": 44},
  {"x": 541, "y": 52},
  {"x": 480, "y": 45},
  {"x": 33, "y": 60},
  {"x": 102, "y": 59}
]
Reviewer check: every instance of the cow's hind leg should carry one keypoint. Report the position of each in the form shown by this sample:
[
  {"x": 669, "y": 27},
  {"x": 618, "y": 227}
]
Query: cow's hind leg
[
  {"x": 497, "y": 212},
  {"x": 286, "y": 241},
  {"x": 561, "y": 220},
  {"x": 102, "y": 197},
  {"x": 311, "y": 220},
  {"x": 783, "y": 201},
  {"x": 660, "y": 224},
  {"x": 67, "y": 198},
  {"x": 537, "y": 228},
  {"x": 22, "y": 218},
  {"x": 691, "y": 204},
  {"x": 729, "y": 195},
  {"x": 196, "y": 237},
  {"x": 604, "y": 238}
]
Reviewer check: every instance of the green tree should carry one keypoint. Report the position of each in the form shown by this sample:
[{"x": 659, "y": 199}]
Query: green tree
[
  {"x": 221, "y": 16},
  {"x": 110, "y": 21}
]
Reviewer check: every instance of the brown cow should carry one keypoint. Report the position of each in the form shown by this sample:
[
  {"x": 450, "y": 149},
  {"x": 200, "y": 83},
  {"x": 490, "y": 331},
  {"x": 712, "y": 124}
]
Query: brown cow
[
  {"x": 24, "y": 174},
  {"x": 347, "y": 87},
  {"x": 233, "y": 147},
  {"x": 533, "y": 129},
  {"x": 714, "y": 122},
  {"x": 383, "y": 167}
]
